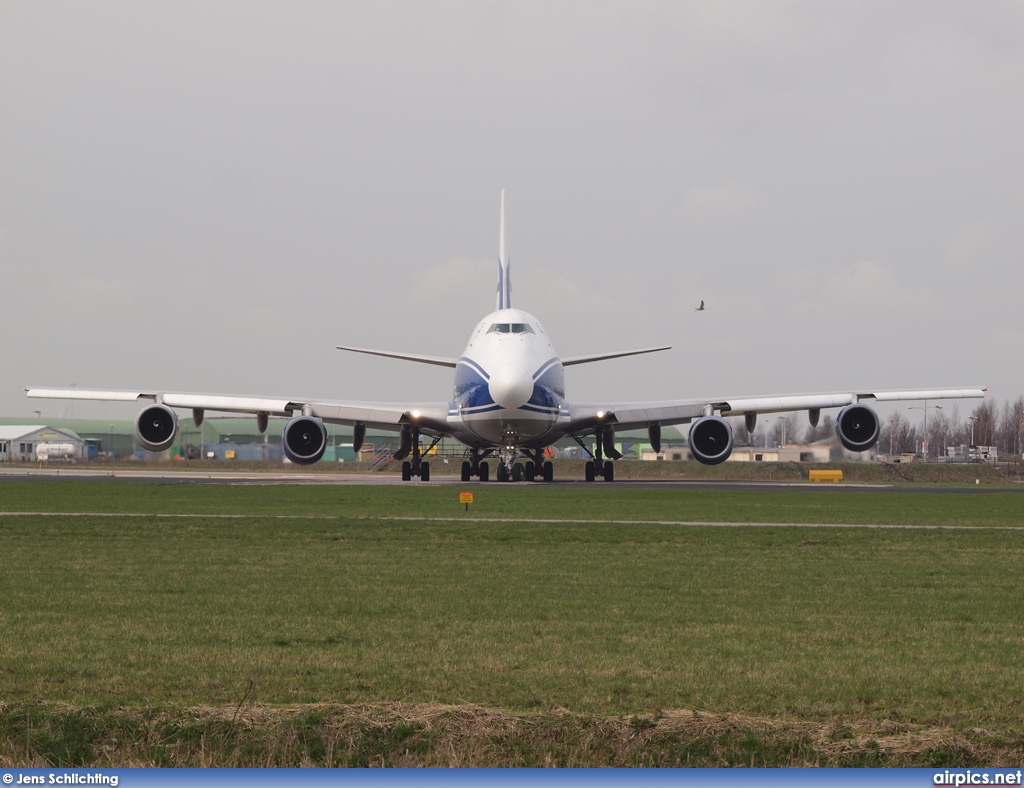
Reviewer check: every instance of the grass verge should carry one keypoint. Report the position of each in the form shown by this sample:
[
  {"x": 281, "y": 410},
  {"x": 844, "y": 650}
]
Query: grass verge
[
  {"x": 396, "y": 735},
  {"x": 797, "y": 645}
]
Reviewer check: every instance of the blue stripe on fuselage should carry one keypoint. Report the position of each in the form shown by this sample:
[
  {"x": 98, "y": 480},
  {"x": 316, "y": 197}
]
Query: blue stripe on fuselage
[
  {"x": 471, "y": 389},
  {"x": 474, "y": 366},
  {"x": 545, "y": 367},
  {"x": 548, "y": 385}
]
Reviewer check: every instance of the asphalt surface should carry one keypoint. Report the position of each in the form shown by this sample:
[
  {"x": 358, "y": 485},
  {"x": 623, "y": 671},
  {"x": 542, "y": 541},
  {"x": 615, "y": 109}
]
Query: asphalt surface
[{"x": 71, "y": 472}]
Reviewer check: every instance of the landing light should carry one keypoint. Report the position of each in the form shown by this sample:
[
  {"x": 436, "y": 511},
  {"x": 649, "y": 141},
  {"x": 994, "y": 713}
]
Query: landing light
[
  {"x": 415, "y": 414},
  {"x": 600, "y": 414}
]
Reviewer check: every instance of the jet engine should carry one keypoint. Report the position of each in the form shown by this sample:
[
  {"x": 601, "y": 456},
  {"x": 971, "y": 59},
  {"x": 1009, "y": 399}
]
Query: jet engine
[
  {"x": 711, "y": 440},
  {"x": 857, "y": 427},
  {"x": 304, "y": 440},
  {"x": 156, "y": 427}
]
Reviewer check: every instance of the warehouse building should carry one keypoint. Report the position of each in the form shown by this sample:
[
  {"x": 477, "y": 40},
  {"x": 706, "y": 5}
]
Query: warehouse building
[{"x": 29, "y": 443}]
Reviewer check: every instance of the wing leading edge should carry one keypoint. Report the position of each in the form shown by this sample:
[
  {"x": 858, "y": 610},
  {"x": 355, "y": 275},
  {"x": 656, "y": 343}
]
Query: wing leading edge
[
  {"x": 378, "y": 415},
  {"x": 637, "y": 415}
]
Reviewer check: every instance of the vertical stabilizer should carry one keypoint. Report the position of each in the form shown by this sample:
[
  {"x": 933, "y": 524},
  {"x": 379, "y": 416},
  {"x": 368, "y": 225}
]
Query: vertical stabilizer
[{"x": 504, "y": 281}]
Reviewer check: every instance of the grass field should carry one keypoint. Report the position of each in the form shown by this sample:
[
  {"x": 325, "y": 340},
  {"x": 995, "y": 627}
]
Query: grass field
[{"x": 313, "y": 625}]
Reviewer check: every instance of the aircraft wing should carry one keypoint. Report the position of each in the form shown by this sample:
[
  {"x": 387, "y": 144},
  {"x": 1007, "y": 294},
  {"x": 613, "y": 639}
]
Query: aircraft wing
[
  {"x": 568, "y": 361},
  {"x": 431, "y": 416},
  {"x": 584, "y": 417},
  {"x": 438, "y": 361}
]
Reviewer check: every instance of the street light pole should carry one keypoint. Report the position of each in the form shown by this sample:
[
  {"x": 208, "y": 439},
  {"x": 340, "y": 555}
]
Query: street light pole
[
  {"x": 925, "y": 409},
  {"x": 1020, "y": 447}
]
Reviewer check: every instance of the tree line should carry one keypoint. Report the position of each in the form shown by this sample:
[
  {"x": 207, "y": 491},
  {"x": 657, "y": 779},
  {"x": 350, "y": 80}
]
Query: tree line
[{"x": 988, "y": 424}]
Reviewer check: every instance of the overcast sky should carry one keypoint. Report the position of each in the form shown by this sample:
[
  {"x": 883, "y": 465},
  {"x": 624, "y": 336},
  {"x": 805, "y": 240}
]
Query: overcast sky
[{"x": 209, "y": 196}]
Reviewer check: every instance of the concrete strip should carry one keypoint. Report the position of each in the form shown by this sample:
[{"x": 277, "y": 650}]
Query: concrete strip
[{"x": 541, "y": 521}]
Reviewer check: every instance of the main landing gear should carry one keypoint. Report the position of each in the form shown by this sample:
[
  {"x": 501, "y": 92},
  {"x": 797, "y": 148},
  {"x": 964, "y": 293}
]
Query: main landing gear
[
  {"x": 598, "y": 466},
  {"x": 534, "y": 467},
  {"x": 507, "y": 469},
  {"x": 410, "y": 444},
  {"x": 474, "y": 467}
]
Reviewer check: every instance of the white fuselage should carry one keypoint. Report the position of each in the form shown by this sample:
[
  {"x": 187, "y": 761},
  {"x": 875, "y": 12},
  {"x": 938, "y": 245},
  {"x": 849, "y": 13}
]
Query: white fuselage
[{"x": 509, "y": 384}]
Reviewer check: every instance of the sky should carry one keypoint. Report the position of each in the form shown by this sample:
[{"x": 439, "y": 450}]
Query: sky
[{"x": 209, "y": 196}]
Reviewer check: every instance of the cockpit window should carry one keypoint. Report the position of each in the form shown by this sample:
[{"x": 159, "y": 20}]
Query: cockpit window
[{"x": 510, "y": 328}]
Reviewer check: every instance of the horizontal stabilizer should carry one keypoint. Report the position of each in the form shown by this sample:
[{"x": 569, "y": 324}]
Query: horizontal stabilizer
[
  {"x": 571, "y": 360},
  {"x": 437, "y": 361}
]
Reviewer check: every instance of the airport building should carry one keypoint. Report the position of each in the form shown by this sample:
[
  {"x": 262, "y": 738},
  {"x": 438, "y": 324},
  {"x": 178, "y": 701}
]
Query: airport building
[
  {"x": 31, "y": 443},
  {"x": 237, "y": 438},
  {"x": 789, "y": 452}
]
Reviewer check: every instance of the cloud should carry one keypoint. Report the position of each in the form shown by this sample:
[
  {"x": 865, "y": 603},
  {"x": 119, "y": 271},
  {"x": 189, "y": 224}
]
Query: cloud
[
  {"x": 728, "y": 197},
  {"x": 1001, "y": 346},
  {"x": 94, "y": 291},
  {"x": 967, "y": 242},
  {"x": 456, "y": 280},
  {"x": 570, "y": 310},
  {"x": 867, "y": 286},
  {"x": 257, "y": 322}
]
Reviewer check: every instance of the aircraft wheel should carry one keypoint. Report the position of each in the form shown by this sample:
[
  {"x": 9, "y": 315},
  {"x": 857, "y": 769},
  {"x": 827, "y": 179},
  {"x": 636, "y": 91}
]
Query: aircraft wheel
[
  {"x": 589, "y": 474},
  {"x": 406, "y": 471},
  {"x": 501, "y": 474},
  {"x": 425, "y": 472},
  {"x": 484, "y": 472},
  {"x": 609, "y": 472},
  {"x": 529, "y": 472},
  {"x": 467, "y": 470},
  {"x": 549, "y": 471},
  {"x": 517, "y": 473}
]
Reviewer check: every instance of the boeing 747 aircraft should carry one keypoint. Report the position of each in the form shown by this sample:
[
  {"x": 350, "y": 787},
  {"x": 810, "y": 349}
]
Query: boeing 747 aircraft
[{"x": 509, "y": 402}]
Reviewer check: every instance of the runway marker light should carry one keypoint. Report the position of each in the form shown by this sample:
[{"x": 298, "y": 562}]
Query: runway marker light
[{"x": 466, "y": 498}]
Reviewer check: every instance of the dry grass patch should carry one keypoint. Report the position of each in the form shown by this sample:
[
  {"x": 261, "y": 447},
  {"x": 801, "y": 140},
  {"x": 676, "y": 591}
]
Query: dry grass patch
[{"x": 437, "y": 735}]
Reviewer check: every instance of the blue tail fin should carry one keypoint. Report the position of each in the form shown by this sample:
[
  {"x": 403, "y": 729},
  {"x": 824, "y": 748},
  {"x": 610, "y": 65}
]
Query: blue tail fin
[{"x": 504, "y": 280}]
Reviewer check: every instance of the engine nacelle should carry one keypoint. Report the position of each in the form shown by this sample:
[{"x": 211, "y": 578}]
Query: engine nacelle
[
  {"x": 304, "y": 440},
  {"x": 711, "y": 440},
  {"x": 857, "y": 427},
  {"x": 156, "y": 427}
]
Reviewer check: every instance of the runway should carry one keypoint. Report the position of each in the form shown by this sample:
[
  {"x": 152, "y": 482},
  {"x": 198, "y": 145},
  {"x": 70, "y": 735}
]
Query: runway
[
  {"x": 520, "y": 520},
  {"x": 173, "y": 476}
]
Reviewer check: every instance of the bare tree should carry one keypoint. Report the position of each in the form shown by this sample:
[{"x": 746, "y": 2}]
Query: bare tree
[
  {"x": 986, "y": 423},
  {"x": 956, "y": 427},
  {"x": 898, "y": 435},
  {"x": 1011, "y": 425},
  {"x": 741, "y": 436},
  {"x": 824, "y": 431},
  {"x": 939, "y": 433},
  {"x": 784, "y": 430}
]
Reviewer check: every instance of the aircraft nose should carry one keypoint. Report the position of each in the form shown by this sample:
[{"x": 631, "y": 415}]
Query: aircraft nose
[{"x": 511, "y": 386}]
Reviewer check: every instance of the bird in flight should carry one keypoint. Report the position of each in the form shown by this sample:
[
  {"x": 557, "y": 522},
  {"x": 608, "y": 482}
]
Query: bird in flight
[{"x": 699, "y": 308}]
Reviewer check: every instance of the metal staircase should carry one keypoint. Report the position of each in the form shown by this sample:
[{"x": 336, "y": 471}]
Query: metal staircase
[{"x": 381, "y": 457}]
